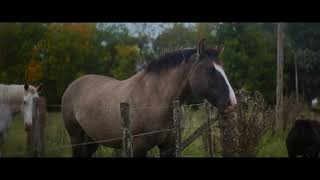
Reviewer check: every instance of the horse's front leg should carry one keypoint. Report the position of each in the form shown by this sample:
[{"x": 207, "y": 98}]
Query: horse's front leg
[
  {"x": 140, "y": 154},
  {"x": 139, "y": 148},
  {"x": 167, "y": 147}
]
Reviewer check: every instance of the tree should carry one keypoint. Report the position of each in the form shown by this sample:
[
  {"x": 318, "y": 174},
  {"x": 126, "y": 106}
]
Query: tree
[
  {"x": 63, "y": 53},
  {"x": 177, "y": 36},
  {"x": 304, "y": 40},
  {"x": 127, "y": 56},
  {"x": 249, "y": 57},
  {"x": 17, "y": 41},
  {"x": 56, "y": 53}
]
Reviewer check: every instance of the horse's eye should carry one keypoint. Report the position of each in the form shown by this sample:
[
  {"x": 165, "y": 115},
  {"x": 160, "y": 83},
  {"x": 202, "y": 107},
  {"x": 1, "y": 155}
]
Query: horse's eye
[
  {"x": 210, "y": 70},
  {"x": 24, "y": 102}
]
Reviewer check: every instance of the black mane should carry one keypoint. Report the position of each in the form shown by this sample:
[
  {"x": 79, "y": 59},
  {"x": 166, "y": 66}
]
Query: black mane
[{"x": 174, "y": 58}]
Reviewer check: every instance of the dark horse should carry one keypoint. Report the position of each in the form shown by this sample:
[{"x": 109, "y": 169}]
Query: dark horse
[
  {"x": 304, "y": 139},
  {"x": 91, "y": 104}
]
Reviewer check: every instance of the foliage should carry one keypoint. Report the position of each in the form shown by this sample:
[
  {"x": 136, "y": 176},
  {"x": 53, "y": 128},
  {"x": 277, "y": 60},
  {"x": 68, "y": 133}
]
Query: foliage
[
  {"x": 304, "y": 42},
  {"x": 249, "y": 57},
  {"x": 243, "y": 129},
  {"x": 55, "y": 54}
]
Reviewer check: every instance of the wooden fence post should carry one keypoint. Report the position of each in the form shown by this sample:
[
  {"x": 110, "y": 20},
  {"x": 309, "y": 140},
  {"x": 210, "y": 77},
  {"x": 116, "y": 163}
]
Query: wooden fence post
[
  {"x": 177, "y": 116},
  {"x": 209, "y": 131},
  {"x": 42, "y": 105},
  {"x": 36, "y": 132},
  {"x": 29, "y": 143},
  {"x": 127, "y": 147}
]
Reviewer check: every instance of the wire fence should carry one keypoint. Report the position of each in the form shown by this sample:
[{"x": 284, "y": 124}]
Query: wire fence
[
  {"x": 119, "y": 138},
  {"x": 251, "y": 113},
  {"x": 59, "y": 148},
  {"x": 143, "y": 107}
]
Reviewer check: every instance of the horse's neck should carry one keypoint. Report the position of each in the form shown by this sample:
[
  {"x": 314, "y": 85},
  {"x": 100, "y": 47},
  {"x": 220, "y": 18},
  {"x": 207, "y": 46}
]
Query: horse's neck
[
  {"x": 167, "y": 86},
  {"x": 12, "y": 95}
]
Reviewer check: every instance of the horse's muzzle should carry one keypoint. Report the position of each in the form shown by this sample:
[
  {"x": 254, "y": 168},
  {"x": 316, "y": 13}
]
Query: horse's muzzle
[
  {"x": 230, "y": 109},
  {"x": 27, "y": 127}
]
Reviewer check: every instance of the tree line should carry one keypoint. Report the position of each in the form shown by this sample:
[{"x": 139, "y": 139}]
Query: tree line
[{"x": 55, "y": 54}]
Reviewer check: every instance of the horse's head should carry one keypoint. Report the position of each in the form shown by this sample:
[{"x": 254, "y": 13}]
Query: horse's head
[
  {"x": 208, "y": 79},
  {"x": 29, "y": 93}
]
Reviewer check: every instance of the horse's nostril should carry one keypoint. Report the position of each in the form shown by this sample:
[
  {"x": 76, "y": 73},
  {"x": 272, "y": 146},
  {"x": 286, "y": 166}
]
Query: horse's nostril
[
  {"x": 27, "y": 127},
  {"x": 230, "y": 108}
]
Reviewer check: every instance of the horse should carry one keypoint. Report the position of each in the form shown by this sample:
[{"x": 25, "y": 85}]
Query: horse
[
  {"x": 5, "y": 122},
  {"x": 16, "y": 99},
  {"x": 91, "y": 103},
  {"x": 304, "y": 139}
]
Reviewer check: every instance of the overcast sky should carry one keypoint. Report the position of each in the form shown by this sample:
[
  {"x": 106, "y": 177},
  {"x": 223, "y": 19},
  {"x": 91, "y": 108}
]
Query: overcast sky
[{"x": 152, "y": 29}]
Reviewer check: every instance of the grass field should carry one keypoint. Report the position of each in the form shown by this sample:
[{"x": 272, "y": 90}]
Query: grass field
[
  {"x": 272, "y": 146},
  {"x": 57, "y": 141}
]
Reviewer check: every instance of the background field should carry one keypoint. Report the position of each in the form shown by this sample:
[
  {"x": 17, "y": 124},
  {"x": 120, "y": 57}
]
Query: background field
[{"x": 56, "y": 140}]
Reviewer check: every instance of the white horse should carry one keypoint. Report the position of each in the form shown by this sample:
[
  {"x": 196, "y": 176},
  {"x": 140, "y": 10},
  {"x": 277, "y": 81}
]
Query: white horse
[
  {"x": 16, "y": 99},
  {"x": 5, "y": 121}
]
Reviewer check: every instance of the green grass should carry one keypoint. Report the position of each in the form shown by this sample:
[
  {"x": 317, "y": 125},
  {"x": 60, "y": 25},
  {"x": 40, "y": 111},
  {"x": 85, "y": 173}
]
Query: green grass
[
  {"x": 17, "y": 136},
  {"x": 193, "y": 120},
  {"x": 57, "y": 141},
  {"x": 275, "y": 145},
  {"x": 272, "y": 145},
  {"x": 55, "y": 135}
]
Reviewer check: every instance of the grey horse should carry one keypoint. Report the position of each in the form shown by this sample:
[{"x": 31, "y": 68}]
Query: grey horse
[{"x": 91, "y": 104}]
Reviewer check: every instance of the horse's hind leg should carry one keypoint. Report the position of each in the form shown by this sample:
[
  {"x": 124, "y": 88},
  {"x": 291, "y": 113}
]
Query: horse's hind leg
[
  {"x": 79, "y": 140},
  {"x": 85, "y": 148}
]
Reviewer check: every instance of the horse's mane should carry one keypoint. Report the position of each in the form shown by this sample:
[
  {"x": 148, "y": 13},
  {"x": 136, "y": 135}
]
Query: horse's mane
[
  {"x": 11, "y": 94},
  {"x": 173, "y": 58}
]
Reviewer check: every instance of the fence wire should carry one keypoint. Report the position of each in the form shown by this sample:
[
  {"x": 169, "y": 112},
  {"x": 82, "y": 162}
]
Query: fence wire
[
  {"x": 136, "y": 135},
  {"x": 119, "y": 138},
  {"x": 105, "y": 141},
  {"x": 142, "y": 107}
]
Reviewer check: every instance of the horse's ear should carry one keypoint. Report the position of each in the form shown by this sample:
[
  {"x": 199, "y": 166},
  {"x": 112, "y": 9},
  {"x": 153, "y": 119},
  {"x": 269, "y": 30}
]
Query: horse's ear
[
  {"x": 201, "y": 47},
  {"x": 26, "y": 87},
  {"x": 220, "y": 49},
  {"x": 39, "y": 88}
]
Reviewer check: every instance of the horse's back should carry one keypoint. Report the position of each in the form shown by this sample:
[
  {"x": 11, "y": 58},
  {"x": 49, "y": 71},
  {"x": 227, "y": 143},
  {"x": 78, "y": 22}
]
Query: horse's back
[
  {"x": 84, "y": 83},
  {"x": 79, "y": 89}
]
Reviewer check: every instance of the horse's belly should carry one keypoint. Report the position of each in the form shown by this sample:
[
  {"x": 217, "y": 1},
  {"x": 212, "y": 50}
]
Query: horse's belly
[
  {"x": 103, "y": 125},
  {"x": 99, "y": 116},
  {"x": 99, "y": 119}
]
